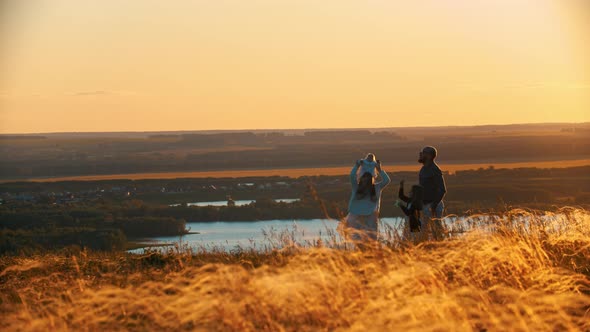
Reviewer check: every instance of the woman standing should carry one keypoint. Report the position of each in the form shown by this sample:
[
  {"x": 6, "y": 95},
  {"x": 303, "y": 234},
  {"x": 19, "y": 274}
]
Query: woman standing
[{"x": 362, "y": 222}]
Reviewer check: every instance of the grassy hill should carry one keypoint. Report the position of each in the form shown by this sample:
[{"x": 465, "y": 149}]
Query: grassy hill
[{"x": 525, "y": 271}]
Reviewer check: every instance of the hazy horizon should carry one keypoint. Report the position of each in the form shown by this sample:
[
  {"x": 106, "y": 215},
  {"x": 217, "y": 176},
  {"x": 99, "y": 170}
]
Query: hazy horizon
[{"x": 302, "y": 129}]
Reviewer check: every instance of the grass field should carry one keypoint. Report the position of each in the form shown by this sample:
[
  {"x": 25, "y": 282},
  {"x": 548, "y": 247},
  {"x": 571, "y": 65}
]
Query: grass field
[
  {"x": 298, "y": 172},
  {"x": 504, "y": 275}
]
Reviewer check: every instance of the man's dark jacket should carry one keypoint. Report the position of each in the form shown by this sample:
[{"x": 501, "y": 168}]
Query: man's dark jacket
[{"x": 431, "y": 179}]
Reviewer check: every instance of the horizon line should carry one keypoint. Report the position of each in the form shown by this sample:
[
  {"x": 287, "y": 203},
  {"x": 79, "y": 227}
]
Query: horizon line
[{"x": 295, "y": 129}]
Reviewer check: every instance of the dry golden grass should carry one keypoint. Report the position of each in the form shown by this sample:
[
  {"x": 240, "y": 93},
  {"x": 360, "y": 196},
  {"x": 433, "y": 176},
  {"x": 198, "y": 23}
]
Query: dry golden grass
[
  {"x": 298, "y": 172},
  {"x": 508, "y": 275}
]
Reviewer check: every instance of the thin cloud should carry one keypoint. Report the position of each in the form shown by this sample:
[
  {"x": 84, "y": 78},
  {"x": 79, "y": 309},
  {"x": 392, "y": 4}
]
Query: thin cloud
[
  {"x": 103, "y": 93},
  {"x": 94, "y": 93},
  {"x": 552, "y": 85},
  {"x": 525, "y": 86},
  {"x": 97, "y": 93}
]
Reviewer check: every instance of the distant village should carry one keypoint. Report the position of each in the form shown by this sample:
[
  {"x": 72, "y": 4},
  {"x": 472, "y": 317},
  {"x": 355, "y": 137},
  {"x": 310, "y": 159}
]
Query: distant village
[{"x": 136, "y": 189}]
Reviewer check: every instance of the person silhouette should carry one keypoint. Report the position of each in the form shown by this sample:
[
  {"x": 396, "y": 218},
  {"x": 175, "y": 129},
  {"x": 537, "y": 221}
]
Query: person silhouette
[{"x": 434, "y": 190}]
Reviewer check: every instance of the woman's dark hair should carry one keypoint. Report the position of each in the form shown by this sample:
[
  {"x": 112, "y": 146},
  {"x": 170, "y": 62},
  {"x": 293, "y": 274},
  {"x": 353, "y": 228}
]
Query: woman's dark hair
[
  {"x": 362, "y": 191},
  {"x": 417, "y": 196}
]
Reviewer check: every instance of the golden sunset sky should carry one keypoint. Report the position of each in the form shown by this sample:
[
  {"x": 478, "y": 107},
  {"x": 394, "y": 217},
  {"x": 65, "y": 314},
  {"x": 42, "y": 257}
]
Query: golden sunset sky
[{"x": 138, "y": 65}]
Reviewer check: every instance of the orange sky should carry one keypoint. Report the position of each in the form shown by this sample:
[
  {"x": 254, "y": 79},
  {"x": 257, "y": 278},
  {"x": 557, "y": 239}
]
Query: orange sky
[{"x": 185, "y": 65}]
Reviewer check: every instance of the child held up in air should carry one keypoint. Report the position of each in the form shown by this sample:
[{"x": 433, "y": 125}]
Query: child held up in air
[{"x": 368, "y": 165}]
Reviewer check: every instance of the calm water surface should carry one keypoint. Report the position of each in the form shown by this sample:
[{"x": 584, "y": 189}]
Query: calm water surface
[
  {"x": 238, "y": 202},
  {"x": 225, "y": 235},
  {"x": 256, "y": 234}
]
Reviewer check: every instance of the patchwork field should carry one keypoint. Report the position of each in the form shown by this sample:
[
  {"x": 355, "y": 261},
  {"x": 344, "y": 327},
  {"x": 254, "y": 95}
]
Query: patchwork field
[{"x": 298, "y": 172}]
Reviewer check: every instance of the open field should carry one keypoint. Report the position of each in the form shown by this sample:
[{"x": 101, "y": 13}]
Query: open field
[
  {"x": 510, "y": 276},
  {"x": 329, "y": 152},
  {"x": 298, "y": 172}
]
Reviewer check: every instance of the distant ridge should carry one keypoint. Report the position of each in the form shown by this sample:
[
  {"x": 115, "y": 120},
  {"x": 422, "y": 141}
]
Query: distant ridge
[
  {"x": 432, "y": 129},
  {"x": 24, "y": 136}
]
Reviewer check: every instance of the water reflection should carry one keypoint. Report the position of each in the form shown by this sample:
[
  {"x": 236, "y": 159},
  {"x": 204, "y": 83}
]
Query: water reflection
[
  {"x": 223, "y": 235},
  {"x": 237, "y": 202}
]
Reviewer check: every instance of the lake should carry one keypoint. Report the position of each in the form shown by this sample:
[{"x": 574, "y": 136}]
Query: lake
[
  {"x": 238, "y": 202},
  {"x": 256, "y": 234},
  {"x": 224, "y": 235}
]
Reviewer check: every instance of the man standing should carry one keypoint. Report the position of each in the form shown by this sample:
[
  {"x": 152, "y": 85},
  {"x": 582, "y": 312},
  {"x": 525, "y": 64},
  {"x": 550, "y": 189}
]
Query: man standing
[{"x": 431, "y": 179}]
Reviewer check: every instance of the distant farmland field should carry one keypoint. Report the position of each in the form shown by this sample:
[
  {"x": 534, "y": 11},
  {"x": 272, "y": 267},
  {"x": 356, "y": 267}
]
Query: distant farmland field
[{"x": 297, "y": 172}]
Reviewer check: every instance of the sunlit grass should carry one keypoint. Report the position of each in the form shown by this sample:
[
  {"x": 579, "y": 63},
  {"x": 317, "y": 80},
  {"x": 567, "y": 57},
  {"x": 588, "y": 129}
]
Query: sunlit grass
[{"x": 521, "y": 270}]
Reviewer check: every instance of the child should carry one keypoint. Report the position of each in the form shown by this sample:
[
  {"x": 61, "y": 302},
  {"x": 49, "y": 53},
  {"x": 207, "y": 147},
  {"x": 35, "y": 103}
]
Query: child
[
  {"x": 413, "y": 208},
  {"x": 368, "y": 165}
]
